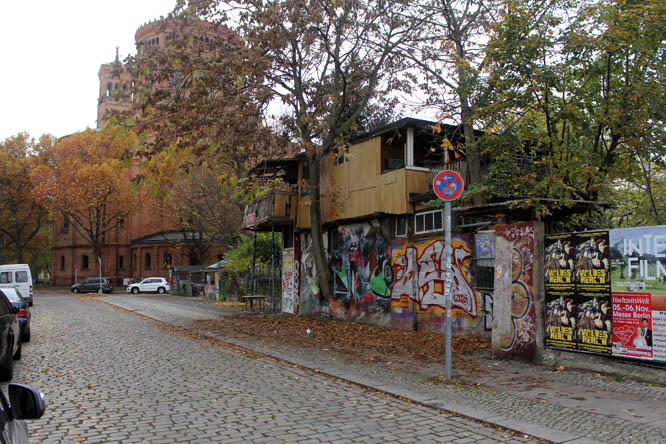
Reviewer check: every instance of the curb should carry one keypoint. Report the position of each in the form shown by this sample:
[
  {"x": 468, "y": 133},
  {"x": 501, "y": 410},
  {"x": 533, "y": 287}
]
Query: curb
[{"x": 487, "y": 418}]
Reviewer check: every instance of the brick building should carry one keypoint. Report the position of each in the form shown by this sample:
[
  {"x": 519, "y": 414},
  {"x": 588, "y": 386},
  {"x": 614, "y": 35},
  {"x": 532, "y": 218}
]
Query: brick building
[{"x": 135, "y": 249}]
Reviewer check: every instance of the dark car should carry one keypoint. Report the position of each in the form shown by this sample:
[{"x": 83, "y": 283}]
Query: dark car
[
  {"x": 23, "y": 314},
  {"x": 24, "y": 403},
  {"x": 10, "y": 341},
  {"x": 92, "y": 285}
]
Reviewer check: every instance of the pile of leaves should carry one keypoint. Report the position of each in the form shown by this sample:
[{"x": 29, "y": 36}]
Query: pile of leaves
[{"x": 364, "y": 341}]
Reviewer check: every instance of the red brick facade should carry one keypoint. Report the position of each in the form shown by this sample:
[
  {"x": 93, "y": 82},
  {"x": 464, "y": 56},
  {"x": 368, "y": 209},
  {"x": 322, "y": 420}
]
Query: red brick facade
[{"x": 136, "y": 249}]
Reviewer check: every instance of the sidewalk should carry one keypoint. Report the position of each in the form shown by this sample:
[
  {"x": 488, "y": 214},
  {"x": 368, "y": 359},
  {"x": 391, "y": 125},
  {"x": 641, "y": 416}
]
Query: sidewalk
[{"x": 552, "y": 405}]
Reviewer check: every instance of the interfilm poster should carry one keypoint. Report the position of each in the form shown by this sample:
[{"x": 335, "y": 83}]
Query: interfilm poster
[
  {"x": 578, "y": 300},
  {"x": 638, "y": 276}
]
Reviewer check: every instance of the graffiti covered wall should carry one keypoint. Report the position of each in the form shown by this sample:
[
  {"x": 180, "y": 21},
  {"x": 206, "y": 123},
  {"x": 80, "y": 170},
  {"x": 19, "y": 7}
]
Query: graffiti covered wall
[
  {"x": 417, "y": 296},
  {"x": 514, "y": 323},
  {"x": 361, "y": 276},
  {"x": 399, "y": 284},
  {"x": 290, "y": 282}
]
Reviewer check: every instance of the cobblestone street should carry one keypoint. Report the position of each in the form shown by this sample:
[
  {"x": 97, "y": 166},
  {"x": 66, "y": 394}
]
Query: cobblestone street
[{"x": 110, "y": 376}]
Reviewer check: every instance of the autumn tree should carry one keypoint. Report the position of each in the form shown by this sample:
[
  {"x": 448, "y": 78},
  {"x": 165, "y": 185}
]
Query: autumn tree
[
  {"x": 450, "y": 56},
  {"x": 579, "y": 88},
  {"x": 325, "y": 62},
  {"x": 194, "y": 199},
  {"x": 23, "y": 217},
  {"x": 87, "y": 181},
  {"x": 201, "y": 92}
]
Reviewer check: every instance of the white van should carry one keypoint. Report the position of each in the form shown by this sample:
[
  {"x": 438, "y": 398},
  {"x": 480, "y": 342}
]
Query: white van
[{"x": 17, "y": 276}]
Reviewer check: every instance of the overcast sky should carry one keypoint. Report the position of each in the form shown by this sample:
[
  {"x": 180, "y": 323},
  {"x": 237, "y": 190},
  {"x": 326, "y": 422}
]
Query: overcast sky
[{"x": 51, "y": 53}]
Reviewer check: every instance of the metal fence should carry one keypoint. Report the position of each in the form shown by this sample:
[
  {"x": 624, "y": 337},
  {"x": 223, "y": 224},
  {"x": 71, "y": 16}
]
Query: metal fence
[{"x": 261, "y": 282}]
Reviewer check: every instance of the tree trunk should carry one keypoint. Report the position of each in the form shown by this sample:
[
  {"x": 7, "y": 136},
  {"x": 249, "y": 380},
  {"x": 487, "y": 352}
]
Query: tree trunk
[
  {"x": 318, "y": 253},
  {"x": 471, "y": 151}
]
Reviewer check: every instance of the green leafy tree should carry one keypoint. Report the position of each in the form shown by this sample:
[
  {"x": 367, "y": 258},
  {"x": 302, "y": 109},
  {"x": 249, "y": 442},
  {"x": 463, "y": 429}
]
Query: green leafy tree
[
  {"x": 577, "y": 91},
  {"x": 451, "y": 58}
]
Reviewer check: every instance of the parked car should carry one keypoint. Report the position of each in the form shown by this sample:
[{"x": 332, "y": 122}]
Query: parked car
[
  {"x": 24, "y": 403},
  {"x": 92, "y": 285},
  {"x": 10, "y": 340},
  {"x": 23, "y": 315},
  {"x": 150, "y": 285},
  {"x": 17, "y": 276}
]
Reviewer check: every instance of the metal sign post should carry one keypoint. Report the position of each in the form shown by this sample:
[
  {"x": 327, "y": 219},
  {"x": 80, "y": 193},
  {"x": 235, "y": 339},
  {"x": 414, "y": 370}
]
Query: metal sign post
[
  {"x": 448, "y": 186},
  {"x": 99, "y": 259}
]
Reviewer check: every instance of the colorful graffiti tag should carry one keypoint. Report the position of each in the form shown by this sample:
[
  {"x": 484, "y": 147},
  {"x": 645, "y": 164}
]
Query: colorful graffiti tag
[
  {"x": 362, "y": 274},
  {"x": 311, "y": 302},
  {"x": 399, "y": 284},
  {"x": 290, "y": 281},
  {"x": 419, "y": 277},
  {"x": 521, "y": 341}
]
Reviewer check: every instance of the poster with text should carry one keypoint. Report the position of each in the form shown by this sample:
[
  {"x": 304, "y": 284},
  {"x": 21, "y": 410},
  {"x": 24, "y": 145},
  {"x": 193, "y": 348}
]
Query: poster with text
[
  {"x": 638, "y": 268},
  {"x": 638, "y": 257},
  {"x": 632, "y": 328},
  {"x": 659, "y": 327},
  {"x": 560, "y": 322},
  {"x": 592, "y": 282},
  {"x": 592, "y": 263}
]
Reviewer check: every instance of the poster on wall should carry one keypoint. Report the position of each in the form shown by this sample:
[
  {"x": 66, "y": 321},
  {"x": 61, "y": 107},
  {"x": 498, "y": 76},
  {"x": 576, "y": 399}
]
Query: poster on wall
[
  {"x": 638, "y": 275},
  {"x": 560, "y": 291},
  {"x": 632, "y": 332},
  {"x": 593, "y": 296}
]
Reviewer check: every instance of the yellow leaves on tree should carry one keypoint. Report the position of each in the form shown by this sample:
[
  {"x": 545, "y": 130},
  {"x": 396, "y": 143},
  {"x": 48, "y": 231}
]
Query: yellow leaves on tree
[
  {"x": 22, "y": 216},
  {"x": 87, "y": 181}
]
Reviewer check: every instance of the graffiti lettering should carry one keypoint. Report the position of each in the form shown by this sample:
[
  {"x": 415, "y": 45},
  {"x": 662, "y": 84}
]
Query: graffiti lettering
[{"x": 430, "y": 276}]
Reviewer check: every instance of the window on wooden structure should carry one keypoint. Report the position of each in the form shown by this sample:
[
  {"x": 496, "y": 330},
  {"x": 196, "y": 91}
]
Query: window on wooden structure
[
  {"x": 428, "y": 222},
  {"x": 147, "y": 261},
  {"x": 342, "y": 156},
  {"x": 401, "y": 226},
  {"x": 85, "y": 262}
]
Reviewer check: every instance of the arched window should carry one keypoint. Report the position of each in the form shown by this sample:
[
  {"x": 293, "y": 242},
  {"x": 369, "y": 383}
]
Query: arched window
[
  {"x": 109, "y": 88},
  {"x": 147, "y": 261},
  {"x": 84, "y": 262},
  {"x": 62, "y": 263},
  {"x": 134, "y": 261}
]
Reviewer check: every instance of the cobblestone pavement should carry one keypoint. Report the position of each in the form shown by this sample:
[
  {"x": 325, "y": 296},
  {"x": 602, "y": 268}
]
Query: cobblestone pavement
[
  {"x": 558, "y": 406},
  {"x": 110, "y": 376}
]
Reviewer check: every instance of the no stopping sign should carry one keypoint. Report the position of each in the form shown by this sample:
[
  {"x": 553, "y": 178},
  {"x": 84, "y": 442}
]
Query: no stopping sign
[{"x": 448, "y": 185}]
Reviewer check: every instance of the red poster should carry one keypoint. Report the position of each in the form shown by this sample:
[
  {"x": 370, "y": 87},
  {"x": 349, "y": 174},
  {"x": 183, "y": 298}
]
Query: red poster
[{"x": 632, "y": 325}]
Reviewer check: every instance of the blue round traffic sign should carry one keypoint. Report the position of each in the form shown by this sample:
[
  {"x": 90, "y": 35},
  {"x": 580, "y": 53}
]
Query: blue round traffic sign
[{"x": 448, "y": 185}]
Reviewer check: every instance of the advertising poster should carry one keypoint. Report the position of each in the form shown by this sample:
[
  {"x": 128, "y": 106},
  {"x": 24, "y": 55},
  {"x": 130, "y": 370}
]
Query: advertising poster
[
  {"x": 560, "y": 291},
  {"x": 594, "y": 316},
  {"x": 632, "y": 325},
  {"x": 638, "y": 271},
  {"x": 659, "y": 327}
]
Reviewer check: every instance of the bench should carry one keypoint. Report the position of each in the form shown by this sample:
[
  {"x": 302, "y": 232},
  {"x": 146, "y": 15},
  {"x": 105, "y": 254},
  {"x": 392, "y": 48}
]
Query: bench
[{"x": 255, "y": 297}]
